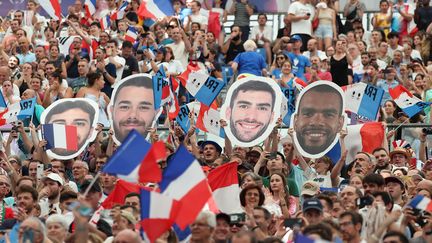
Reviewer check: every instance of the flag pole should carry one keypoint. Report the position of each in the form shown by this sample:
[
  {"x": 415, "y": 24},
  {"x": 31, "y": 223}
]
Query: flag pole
[
  {"x": 401, "y": 124},
  {"x": 91, "y": 184}
]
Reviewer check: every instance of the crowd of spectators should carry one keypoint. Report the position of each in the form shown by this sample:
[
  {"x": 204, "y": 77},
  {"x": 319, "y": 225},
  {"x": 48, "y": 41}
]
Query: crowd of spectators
[{"x": 282, "y": 193}]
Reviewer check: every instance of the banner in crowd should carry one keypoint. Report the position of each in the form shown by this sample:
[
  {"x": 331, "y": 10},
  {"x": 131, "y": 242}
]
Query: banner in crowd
[
  {"x": 80, "y": 112},
  {"x": 132, "y": 106},
  {"x": 251, "y": 109},
  {"x": 318, "y": 118}
]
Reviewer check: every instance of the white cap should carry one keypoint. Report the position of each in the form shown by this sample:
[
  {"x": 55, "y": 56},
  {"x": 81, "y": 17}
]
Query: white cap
[{"x": 54, "y": 177}]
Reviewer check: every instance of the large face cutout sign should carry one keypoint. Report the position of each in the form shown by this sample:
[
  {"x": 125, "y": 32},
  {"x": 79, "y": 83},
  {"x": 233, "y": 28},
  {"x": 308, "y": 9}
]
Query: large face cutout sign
[
  {"x": 318, "y": 118},
  {"x": 132, "y": 106},
  {"x": 251, "y": 109},
  {"x": 80, "y": 112}
]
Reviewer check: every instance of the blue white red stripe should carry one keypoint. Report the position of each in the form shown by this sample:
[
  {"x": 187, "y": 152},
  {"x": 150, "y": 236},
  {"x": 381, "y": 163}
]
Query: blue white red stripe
[
  {"x": 60, "y": 136},
  {"x": 184, "y": 180},
  {"x": 155, "y": 9},
  {"x": 105, "y": 22},
  {"x": 52, "y": 7},
  {"x": 421, "y": 202},
  {"x": 120, "y": 12},
  {"x": 131, "y": 34},
  {"x": 90, "y": 7},
  {"x": 157, "y": 209}
]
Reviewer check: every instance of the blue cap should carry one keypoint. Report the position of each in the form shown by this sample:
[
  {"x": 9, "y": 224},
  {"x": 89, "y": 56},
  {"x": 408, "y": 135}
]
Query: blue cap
[{"x": 296, "y": 38}]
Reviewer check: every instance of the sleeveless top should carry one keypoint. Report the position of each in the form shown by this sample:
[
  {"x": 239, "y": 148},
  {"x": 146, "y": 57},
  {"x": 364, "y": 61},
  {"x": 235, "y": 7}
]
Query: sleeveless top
[
  {"x": 325, "y": 16},
  {"x": 339, "y": 71},
  {"x": 103, "y": 118}
]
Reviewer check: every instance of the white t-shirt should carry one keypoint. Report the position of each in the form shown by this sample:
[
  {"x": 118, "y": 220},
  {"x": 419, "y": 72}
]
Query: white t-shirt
[
  {"x": 180, "y": 53},
  {"x": 322, "y": 56},
  {"x": 267, "y": 33},
  {"x": 199, "y": 18},
  {"x": 119, "y": 71},
  {"x": 302, "y": 26}
]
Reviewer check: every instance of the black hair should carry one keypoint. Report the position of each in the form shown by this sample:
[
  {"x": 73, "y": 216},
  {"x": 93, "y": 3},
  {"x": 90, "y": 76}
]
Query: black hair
[
  {"x": 132, "y": 194},
  {"x": 374, "y": 179},
  {"x": 234, "y": 25},
  {"x": 386, "y": 197},
  {"x": 324, "y": 88},
  {"x": 96, "y": 24},
  {"x": 401, "y": 236},
  {"x": 253, "y": 86},
  {"x": 262, "y": 14},
  {"x": 140, "y": 81},
  {"x": 127, "y": 44},
  {"x": 66, "y": 195},
  {"x": 71, "y": 104},
  {"x": 113, "y": 41}
]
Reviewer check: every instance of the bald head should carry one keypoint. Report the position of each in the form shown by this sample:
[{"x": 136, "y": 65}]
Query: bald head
[
  {"x": 312, "y": 45},
  {"x": 127, "y": 236},
  {"x": 28, "y": 94}
]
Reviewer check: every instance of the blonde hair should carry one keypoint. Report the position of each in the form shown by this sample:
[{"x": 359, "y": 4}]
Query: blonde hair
[{"x": 250, "y": 45}]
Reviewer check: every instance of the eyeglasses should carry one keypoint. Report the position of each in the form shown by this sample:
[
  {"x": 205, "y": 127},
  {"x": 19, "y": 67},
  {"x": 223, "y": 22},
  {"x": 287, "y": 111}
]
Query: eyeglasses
[
  {"x": 280, "y": 58},
  {"x": 344, "y": 224},
  {"x": 238, "y": 225}
]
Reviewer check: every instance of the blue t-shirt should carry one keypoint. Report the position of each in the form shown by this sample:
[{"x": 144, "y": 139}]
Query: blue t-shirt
[
  {"x": 250, "y": 62},
  {"x": 299, "y": 64},
  {"x": 386, "y": 86}
]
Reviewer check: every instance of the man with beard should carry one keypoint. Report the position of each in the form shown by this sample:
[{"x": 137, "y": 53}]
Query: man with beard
[
  {"x": 318, "y": 119},
  {"x": 79, "y": 113},
  {"x": 133, "y": 107},
  {"x": 49, "y": 196},
  {"x": 26, "y": 200},
  {"x": 351, "y": 224},
  {"x": 251, "y": 110},
  {"x": 13, "y": 65},
  {"x": 383, "y": 160}
]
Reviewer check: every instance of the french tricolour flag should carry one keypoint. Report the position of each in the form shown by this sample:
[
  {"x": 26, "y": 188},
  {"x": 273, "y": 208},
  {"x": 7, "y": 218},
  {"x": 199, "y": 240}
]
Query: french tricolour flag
[
  {"x": 224, "y": 183},
  {"x": 183, "y": 77},
  {"x": 409, "y": 104},
  {"x": 158, "y": 213},
  {"x": 131, "y": 34},
  {"x": 60, "y": 136},
  {"x": 52, "y": 7},
  {"x": 297, "y": 83},
  {"x": 422, "y": 203},
  {"x": 203, "y": 87},
  {"x": 185, "y": 181},
  {"x": 120, "y": 12},
  {"x": 364, "y": 137},
  {"x": 136, "y": 160},
  {"x": 155, "y": 9},
  {"x": 90, "y": 7},
  {"x": 105, "y": 22},
  {"x": 363, "y": 99}
]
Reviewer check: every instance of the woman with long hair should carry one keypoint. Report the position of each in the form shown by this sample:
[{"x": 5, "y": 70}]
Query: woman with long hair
[
  {"x": 93, "y": 91},
  {"x": 278, "y": 201}
]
